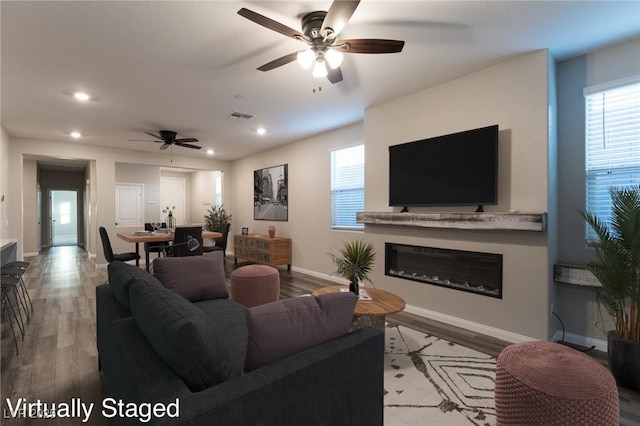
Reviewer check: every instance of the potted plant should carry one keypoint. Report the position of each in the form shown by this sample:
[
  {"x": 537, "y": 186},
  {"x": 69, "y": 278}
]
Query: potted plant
[
  {"x": 618, "y": 270},
  {"x": 354, "y": 263},
  {"x": 216, "y": 218}
]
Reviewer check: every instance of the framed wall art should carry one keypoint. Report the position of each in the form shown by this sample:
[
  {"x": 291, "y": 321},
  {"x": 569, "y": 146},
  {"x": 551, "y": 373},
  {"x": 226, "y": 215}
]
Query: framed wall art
[{"x": 270, "y": 193}]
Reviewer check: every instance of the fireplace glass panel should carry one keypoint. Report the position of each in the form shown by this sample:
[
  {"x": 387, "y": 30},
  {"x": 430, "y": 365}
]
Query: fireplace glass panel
[{"x": 470, "y": 271}]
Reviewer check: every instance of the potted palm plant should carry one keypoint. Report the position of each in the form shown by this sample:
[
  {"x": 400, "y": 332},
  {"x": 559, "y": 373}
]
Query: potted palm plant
[
  {"x": 355, "y": 262},
  {"x": 618, "y": 269},
  {"x": 216, "y": 218}
]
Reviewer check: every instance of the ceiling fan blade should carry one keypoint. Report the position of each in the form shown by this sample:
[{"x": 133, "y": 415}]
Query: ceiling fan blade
[
  {"x": 271, "y": 24},
  {"x": 165, "y": 146},
  {"x": 279, "y": 62},
  {"x": 142, "y": 140},
  {"x": 186, "y": 140},
  {"x": 155, "y": 136},
  {"x": 187, "y": 145},
  {"x": 369, "y": 45},
  {"x": 334, "y": 75},
  {"x": 337, "y": 17}
]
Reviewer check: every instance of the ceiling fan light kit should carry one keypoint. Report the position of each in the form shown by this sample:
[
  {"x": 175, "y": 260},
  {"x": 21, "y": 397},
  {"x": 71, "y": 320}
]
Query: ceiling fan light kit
[
  {"x": 319, "y": 32},
  {"x": 306, "y": 58}
]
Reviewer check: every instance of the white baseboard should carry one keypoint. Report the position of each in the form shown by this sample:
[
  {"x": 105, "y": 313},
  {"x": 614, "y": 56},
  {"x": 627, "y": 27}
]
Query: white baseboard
[
  {"x": 331, "y": 278},
  {"x": 29, "y": 254},
  {"x": 579, "y": 340},
  {"x": 469, "y": 325},
  {"x": 105, "y": 265}
]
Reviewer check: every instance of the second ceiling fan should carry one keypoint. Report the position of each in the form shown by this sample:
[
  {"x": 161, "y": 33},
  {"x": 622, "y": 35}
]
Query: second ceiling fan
[{"x": 319, "y": 31}]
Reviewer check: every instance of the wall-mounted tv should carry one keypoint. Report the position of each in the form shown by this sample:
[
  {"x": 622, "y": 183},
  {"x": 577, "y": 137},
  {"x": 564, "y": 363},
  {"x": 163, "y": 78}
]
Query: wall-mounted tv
[{"x": 451, "y": 170}]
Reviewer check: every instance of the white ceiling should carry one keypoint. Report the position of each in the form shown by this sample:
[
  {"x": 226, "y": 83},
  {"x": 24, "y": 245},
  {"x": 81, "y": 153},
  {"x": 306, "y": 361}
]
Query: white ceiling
[{"x": 185, "y": 66}]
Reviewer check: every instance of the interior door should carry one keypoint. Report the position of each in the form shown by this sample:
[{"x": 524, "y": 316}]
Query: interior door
[
  {"x": 129, "y": 205},
  {"x": 172, "y": 193}
]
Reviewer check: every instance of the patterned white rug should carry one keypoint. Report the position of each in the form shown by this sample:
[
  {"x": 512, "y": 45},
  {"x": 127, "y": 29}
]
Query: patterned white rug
[{"x": 430, "y": 381}]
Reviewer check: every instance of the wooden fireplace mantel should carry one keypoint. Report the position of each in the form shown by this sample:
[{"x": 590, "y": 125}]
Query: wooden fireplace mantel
[{"x": 508, "y": 221}]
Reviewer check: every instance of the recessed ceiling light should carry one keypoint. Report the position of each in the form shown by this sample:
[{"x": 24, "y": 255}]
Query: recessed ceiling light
[
  {"x": 75, "y": 135},
  {"x": 210, "y": 151},
  {"x": 261, "y": 131},
  {"x": 81, "y": 96}
]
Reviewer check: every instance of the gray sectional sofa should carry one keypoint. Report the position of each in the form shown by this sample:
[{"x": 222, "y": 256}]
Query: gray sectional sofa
[{"x": 211, "y": 361}]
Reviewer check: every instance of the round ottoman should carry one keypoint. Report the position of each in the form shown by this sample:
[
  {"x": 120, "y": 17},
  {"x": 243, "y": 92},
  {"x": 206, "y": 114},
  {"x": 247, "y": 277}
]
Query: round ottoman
[
  {"x": 543, "y": 383},
  {"x": 254, "y": 285}
]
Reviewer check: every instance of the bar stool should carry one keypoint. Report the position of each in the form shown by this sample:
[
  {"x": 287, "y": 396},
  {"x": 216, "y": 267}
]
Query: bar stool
[
  {"x": 17, "y": 264},
  {"x": 21, "y": 289},
  {"x": 9, "y": 294},
  {"x": 6, "y": 303}
]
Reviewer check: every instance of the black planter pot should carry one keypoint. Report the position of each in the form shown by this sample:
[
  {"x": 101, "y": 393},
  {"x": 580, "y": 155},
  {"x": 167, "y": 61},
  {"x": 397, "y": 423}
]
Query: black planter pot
[
  {"x": 624, "y": 361},
  {"x": 354, "y": 287}
]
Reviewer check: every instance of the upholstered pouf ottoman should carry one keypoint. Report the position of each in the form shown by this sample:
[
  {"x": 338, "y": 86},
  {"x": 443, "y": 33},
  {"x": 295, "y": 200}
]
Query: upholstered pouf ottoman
[
  {"x": 253, "y": 285},
  {"x": 543, "y": 383}
]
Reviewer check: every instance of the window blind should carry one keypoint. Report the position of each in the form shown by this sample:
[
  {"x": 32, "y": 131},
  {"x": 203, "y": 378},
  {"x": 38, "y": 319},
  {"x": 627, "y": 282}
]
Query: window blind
[
  {"x": 347, "y": 187},
  {"x": 612, "y": 147}
]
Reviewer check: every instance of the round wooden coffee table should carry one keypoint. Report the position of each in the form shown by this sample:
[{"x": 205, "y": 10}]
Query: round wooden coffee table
[{"x": 370, "y": 312}]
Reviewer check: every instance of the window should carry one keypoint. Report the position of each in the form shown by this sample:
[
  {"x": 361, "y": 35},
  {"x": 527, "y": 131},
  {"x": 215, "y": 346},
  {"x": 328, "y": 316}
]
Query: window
[
  {"x": 347, "y": 187},
  {"x": 612, "y": 144}
]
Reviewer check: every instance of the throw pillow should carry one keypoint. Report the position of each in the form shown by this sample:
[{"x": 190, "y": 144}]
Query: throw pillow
[
  {"x": 282, "y": 328},
  {"x": 184, "y": 337},
  {"x": 121, "y": 275},
  {"x": 193, "y": 277}
]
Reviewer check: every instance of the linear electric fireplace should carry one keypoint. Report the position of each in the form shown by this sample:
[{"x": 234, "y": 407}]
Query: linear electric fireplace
[{"x": 470, "y": 271}]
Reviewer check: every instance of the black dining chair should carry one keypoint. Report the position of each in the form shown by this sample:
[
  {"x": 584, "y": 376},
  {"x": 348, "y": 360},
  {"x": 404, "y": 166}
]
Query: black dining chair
[
  {"x": 108, "y": 251},
  {"x": 187, "y": 241},
  {"x": 220, "y": 243},
  {"x": 161, "y": 247}
]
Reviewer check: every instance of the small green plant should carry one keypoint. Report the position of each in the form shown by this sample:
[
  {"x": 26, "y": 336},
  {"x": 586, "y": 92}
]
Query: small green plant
[
  {"x": 618, "y": 264},
  {"x": 216, "y": 218},
  {"x": 355, "y": 261}
]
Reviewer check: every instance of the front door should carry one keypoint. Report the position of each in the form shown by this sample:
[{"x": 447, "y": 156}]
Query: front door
[{"x": 64, "y": 218}]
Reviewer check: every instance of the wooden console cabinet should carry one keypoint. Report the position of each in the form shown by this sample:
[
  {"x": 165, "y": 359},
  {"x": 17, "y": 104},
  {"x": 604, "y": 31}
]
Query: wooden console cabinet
[{"x": 262, "y": 249}]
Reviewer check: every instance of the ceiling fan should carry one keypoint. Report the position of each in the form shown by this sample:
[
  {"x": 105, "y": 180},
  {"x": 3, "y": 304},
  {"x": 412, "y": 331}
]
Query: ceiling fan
[
  {"x": 319, "y": 31},
  {"x": 168, "y": 138}
]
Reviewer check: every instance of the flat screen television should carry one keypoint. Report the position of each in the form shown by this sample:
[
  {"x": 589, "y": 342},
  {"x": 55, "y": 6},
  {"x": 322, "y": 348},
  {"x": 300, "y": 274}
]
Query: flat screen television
[{"x": 451, "y": 170}]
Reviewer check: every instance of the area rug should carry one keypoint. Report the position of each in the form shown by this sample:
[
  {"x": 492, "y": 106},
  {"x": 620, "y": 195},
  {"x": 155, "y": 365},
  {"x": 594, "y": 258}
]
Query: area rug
[{"x": 430, "y": 381}]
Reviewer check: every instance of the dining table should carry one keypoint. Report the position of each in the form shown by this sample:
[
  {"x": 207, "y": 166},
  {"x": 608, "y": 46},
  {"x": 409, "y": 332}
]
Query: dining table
[{"x": 138, "y": 237}]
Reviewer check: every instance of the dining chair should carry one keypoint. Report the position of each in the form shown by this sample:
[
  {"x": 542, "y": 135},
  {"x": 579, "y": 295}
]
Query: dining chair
[
  {"x": 161, "y": 247},
  {"x": 108, "y": 251},
  {"x": 220, "y": 243},
  {"x": 182, "y": 246}
]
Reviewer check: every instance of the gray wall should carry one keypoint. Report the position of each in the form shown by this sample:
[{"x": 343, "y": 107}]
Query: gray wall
[{"x": 576, "y": 305}]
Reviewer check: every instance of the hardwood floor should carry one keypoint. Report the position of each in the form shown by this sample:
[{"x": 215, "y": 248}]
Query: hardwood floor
[{"x": 58, "y": 357}]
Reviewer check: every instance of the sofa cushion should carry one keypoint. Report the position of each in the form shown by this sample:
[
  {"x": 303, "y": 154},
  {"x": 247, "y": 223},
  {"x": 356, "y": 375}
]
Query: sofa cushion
[
  {"x": 121, "y": 275},
  {"x": 193, "y": 277},
  {"x": 230, "y": 319},
  {"x": 281, "y": 328},
  {"x": 184, "y": 337}
]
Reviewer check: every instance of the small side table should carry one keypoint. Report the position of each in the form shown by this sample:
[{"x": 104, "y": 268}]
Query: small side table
[{"x": 370, "y": 312}]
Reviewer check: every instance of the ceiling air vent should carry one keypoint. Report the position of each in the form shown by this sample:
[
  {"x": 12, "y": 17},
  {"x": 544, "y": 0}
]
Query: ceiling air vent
[{"x": 240, "y": 116}]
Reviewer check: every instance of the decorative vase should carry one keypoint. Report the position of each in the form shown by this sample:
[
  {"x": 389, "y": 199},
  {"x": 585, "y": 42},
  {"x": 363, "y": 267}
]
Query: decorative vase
[
  {"x": 624, "y": 361},
  {"x": 171, "y": 223},
  {"x": 272, "y": 231},
  {"x": 354, "y": 287}
]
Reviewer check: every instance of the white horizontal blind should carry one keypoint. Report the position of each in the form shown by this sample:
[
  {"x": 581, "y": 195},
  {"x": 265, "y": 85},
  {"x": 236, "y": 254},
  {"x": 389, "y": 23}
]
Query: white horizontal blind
[
  {"x": 612, "y": 147},
  {"x": 347, "y": 187}
]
